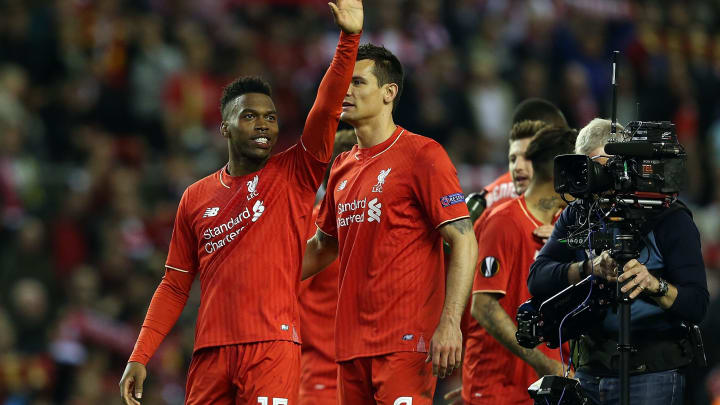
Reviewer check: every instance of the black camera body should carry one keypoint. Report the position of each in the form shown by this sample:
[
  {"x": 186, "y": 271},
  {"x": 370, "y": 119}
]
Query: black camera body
[
  {"x": 647, "y": 160},
  {"x": 616, "y": 204}
]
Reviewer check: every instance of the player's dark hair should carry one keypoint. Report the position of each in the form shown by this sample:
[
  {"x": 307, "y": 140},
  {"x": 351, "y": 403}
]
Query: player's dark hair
[
  {"x": 544, "y": 146},
  {"x": 387, "y": 69},
  {"x": 243, "y": 85},
  {"x": 540, "y": 110},
  {"x": 526, "y": 129}
]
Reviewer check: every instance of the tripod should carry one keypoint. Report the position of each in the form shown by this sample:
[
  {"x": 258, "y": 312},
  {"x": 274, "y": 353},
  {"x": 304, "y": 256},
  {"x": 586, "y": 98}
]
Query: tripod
[{"x": 625, "y": 249}]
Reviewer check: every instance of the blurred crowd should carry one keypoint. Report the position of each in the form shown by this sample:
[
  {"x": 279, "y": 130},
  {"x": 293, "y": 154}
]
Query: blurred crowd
[{"x": 109, "y": 109}]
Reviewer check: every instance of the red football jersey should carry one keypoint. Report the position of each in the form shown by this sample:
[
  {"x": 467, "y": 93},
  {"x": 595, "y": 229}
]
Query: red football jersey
[
  {"x": 318, "y": 302},
  {"x": 506, "y": 249},
  {"x": 244, "y": 237},
  {"x": 500, "y": 190},
  {"x": 384, "y": 205}
]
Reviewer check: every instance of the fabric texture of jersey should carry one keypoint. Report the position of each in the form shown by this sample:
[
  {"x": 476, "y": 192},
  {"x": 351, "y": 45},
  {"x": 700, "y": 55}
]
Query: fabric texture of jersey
[
  {"x": 243, "y": 237},
  {"x": 244, "y": 374},
  {"x": 500, "y": 190},
  {"x": 318, "y": 302},
  {"x": 402, "y": 378},
  {"x": 384, "y": 205},
  {"x": 506, "y": 249}
]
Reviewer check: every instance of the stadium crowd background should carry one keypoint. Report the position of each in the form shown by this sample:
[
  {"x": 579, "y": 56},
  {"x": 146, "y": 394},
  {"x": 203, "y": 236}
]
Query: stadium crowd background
[{"x": 109, "y": 109}]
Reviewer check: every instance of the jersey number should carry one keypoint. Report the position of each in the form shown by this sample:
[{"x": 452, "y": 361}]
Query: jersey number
[
  {"x": 275, "y": 401},
  {"x": 403, "y": 401}
]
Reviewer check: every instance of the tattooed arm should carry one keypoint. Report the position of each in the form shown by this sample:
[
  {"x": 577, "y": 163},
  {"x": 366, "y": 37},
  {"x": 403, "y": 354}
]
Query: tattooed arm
[
  {"x": 446, "y": 344},
  {"x": 492, "y": 317}
]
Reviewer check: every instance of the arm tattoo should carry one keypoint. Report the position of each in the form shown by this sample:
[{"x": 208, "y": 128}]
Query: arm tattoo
[
  {"x": 547, "y": 204},
  {"x": 462, "y": 225}
]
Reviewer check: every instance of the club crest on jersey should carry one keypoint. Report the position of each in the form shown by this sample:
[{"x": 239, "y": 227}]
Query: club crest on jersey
[
  {"x": 378, "y": 188},
  {"x": 490, "y": 266},
  {"x": 342, "y": 185},
  {"x": 252, "y": 186}
]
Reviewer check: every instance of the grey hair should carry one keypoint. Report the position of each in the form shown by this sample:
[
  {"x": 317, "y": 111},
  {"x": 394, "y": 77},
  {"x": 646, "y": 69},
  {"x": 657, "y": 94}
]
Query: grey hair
[{"x": 594, "y": 135}]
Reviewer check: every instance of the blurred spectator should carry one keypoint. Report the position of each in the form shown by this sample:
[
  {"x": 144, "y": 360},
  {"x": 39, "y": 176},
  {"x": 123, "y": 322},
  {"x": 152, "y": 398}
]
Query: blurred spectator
[{"x": 109, "y": 109}]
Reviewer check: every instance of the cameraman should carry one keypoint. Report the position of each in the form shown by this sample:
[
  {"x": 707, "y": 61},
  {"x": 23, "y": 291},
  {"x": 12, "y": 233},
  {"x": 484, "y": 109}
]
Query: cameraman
[{"x": 668, "y": 286}]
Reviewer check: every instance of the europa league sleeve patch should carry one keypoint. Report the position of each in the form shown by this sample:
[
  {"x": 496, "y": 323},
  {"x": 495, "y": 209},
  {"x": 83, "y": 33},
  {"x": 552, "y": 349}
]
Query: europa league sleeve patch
[
  {"x": 452, "y": 199},
  {"x": 490, "y": 266}
]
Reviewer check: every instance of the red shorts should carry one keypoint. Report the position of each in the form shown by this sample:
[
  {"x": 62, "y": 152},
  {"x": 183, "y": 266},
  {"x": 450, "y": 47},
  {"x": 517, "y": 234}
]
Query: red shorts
[
  {"x": 263, "y": 373},
  {"x": 310, "y": 399},
  {"x": 401, "y": 378}
]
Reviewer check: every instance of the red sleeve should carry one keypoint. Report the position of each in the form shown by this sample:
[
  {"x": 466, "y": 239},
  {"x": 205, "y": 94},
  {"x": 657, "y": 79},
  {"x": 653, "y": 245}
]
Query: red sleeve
[
  {"x": 326, "y": 219},
  {"x": 497, "y": 240},
  {"x": 437, "y": 187},
  {"x": 165, "y": 308},
  {"x": 322, "y": 122},
  {"x": 172, "y": 293},
  {"x": 182, "y": 255}
]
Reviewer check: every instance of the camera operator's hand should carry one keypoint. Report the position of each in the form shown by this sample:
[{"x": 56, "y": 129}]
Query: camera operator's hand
[
  {"x": 604, "y": 266},
  {"x": 639, "y": 279}
]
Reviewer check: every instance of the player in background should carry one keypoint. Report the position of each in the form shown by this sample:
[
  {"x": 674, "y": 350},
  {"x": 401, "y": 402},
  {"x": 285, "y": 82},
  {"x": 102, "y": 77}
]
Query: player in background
[
  {"x": 515, "y": 181},
  {"x": 318, "y": 301},
  {"x": 497, "y": 370},
  {"x": 241, "y": 231},
  {"x": 390, "y": 202}
]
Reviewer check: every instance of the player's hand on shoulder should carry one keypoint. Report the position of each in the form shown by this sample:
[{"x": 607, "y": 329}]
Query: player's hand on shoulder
[
  {"x": 445, "y": 349},
  {"x": 131, "y": 383},
  {"x": 348, "y": 15},
  {"x": 543, "y": 232}
]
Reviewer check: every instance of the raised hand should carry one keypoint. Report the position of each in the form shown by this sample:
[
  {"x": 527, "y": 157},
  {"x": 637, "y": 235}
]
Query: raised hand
[{"x": 348, "y": 15}]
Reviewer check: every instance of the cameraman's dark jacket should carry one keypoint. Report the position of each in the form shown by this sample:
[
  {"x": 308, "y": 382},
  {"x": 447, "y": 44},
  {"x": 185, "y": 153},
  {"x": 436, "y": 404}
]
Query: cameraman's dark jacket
[{"x": 676, "y": 257}]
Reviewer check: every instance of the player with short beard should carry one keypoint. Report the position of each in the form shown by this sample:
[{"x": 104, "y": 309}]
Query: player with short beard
[
  {"x": 241, "y": 231},
  {"x": 497, "y": 370}
]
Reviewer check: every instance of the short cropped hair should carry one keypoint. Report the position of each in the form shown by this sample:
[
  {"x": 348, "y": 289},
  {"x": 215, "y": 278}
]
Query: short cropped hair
[
  {"x": 540, "y": 110},
  {"x": 544, "y": 146},
  {"x": 387, "y": 69},
  {"x": 526, "y": 129},
  {"x": 243, "y": 85},
  {"x": 594, "y": 135}
]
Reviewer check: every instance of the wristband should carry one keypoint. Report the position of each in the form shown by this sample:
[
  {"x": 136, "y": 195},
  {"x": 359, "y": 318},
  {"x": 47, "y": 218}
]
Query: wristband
[{"x": 662, "y": 289}]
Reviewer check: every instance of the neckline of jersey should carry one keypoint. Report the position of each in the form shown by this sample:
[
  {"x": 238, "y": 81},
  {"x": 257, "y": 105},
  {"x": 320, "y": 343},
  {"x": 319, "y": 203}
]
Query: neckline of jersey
[
  {"x": 523, "y": 205},
  {"x": 373, "y": 151},
  {"x": 227, "y": 180}
]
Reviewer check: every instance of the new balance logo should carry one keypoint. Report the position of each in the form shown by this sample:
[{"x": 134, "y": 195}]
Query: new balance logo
[
  {"x": 374, "y": 210},
  {"x": 342, "y": 185},
  {"x": 258, "y": 210},
  {"x": 211, "y": 212},
  {"x": 378, "y": 188},
  {"x": 252, "y": 187}
]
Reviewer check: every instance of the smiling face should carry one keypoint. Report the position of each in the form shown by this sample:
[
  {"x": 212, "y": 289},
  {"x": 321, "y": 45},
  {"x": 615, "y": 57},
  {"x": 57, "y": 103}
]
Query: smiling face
[
  {"x": 251, "y": 126},
  {"x": 520, "y": 168},
  {"x": 364, "y": 98}
]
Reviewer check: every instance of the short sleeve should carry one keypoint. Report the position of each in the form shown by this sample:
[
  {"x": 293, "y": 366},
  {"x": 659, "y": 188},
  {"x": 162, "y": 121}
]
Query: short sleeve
[
  {"x": 497, "y": 240},
  {"x": 326, "y": 219},
  {"x": 182, "y": 255},
  {"x": 436, "y": 185}
]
